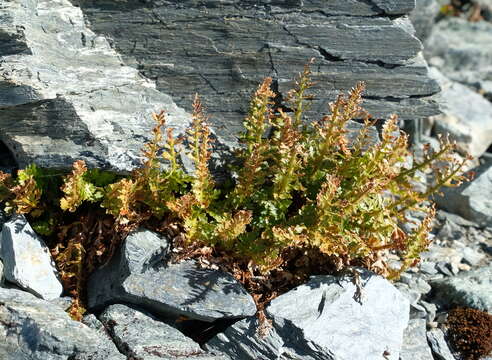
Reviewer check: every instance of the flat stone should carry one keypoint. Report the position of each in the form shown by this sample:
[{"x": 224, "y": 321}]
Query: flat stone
[
  {"x": 34, "y": 329},
  {"x": 437, "y": 253},
  {"x": 324, "y": 319},
  {"x": 139, "y": 275},
  {"x": 226, "y": 54},
  {"x": 439, "y": 346},
  {"x": 140, "y": 335},
  {"x": 466, "y": 116},
  {"x": 472, "y": 256},
  {"x": 415, "y": 342},
  {"x": 468, "y": 199},
  {"x": 65, "y": 94},
  {"x": 461, "y": 50},
  {"x": 470, "y": 289},
  {"x": 27, "y": 260},
  {"x": 428, "y": 267}
]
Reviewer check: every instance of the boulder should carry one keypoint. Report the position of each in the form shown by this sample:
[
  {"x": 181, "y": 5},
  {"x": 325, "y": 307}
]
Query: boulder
[
  {"x": 139, "y": 335},
  {"x": 415, "y": 342},
  {"x": 466, "y": 116},
  {"x": 27, "y": 259},
  {"x": 468, "y": 199},
  {"x": 75, "y": 88},
  {"x": 327, "y": 318},
  {"x": 139, "y": 275},
  {"x": 471, "y": 289},
  {"x": 34, "y": 329}
]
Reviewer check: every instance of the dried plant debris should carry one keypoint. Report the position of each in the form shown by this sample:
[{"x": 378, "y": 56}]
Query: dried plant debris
[{"x": 470, "y": 332}]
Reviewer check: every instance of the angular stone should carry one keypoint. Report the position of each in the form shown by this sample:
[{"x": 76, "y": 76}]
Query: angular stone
[
  {"x": 423, "y": 17},
  {"x": 466, "y": 117},
  {"x": 324, "y": 319},
  {"x": 34, "y": 329},
  {"x": 27, "y": 259},
  {"x": 139, "y": 335},
  {"x": 138, "y": 275},
  {"x": 461, "y": 49},
  {"x": 472, "y": 257},
  {"x": 470, "y": 289},
  {"x": 234, "y": 46},
  {"x": 468, "y": 199},
  {"x": 439, "y": 346},
  {"x": 65, "y": 95},
  {"x": 415, "y": 342}
]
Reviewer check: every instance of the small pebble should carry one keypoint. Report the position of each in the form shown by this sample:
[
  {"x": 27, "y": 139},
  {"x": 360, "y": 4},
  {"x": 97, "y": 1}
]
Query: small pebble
[{"x": 464, "y": 267}]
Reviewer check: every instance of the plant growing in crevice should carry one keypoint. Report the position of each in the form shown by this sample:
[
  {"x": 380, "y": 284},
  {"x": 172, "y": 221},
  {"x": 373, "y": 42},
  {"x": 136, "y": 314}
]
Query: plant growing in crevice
[{"x": 306, "y": 197}]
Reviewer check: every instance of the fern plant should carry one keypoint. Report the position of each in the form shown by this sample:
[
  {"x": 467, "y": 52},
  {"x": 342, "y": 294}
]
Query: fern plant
[{"x": 299, "y": 186}]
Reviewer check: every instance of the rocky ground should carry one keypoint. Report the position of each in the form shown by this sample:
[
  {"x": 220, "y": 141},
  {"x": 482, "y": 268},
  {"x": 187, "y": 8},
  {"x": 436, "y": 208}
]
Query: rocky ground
[{"x": 144, "y": 308}]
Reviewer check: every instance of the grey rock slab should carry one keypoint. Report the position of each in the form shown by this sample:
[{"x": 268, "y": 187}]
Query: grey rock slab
[
  {"x": 139, "y": 275},
  {"x": 324, "y": 319},
  {"x": 439, "y": 346},
  {"x": 423, "y": 17},
  {"x": 27, "y": 259},
  {"x": 469, "y": 289},
  {"x": 469, "y": 199},
  {"x": 472, "y": 257},
  {"x": 139, "y": 335},
  {"x": 2, "y": 279},
  {"x": 415, "y": 342},
  {"x": 223, "y": 50},
  {"x": 69, "y": 97},
  {"x": 34, "y": 329},
  {"x": 466, "y": 116},
  {"x": 461, "y": 49}
]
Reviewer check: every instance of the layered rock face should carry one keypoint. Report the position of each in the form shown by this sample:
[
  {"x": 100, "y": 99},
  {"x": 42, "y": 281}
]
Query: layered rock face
[
  {"x": 66, "y": 95},
  {"x": 223, "y": 49},
  {"x": 81, "y": 82}
]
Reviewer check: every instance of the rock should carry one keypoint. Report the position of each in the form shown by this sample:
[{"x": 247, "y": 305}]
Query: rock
[
  {"x": 226, "y": 54},
  {"x": 415, "y": 342},
  {"x": 428, "y": 267},
  {"x": 461, "y": 50},
  {"x": 442, "y": 254},
  {"x": 466, "y": 116},
  {"x": 66, "y": 94},
  {"x": 468, "y": 199},
  {"x": 27, "y": 260},
  {"x": 2, "y": 279},
  {"x": 139, "y": 335},
  {"x": 93, "y": 323},
  {"x": 32, "y": 328},
  {"x": 412, "y": 295},
  {"x": 324, "y": 319},
  {"x": 451, "y": 232},
  {"x": 138, "y": 275},
  {"x": 470, "y": 289},
  {"x": 439, "y": 346},
  {"x": 423, "y": 17},
  {"x": 431, "y": 310},
  {"x": 472, "y": 257}
]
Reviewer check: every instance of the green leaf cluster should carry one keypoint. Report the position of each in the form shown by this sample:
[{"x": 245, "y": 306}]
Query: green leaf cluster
[{"x": 298, "y": 184}]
